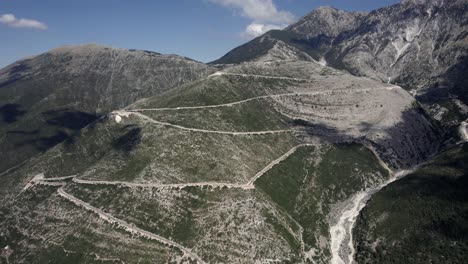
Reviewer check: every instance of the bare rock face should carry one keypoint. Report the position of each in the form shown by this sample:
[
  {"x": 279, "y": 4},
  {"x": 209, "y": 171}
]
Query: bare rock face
[
  {"x": 424, "y": 2},
  {"x": 306, "y": 39},
  {"x": 420, "y": 45},
  {"x": 415, "y": 44},
  {"x": 46, "y": 98},
  {"x": 327, "y": 21}
]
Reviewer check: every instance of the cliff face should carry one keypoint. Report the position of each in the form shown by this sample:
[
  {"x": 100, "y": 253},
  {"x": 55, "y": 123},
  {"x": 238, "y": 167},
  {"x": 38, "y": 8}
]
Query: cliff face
[
  {"x": 414, "y": 44},
  {"x": 307, "y": 39},
  {"x": 327, "y": 21}
]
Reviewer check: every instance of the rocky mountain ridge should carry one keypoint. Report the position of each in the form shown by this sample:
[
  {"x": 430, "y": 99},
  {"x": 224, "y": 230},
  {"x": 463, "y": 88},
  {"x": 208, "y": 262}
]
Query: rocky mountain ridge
[
  {"x": 46, "y": 98},
  {"x": 419, "y": 45},
  {"x": 131, "y": 156}
]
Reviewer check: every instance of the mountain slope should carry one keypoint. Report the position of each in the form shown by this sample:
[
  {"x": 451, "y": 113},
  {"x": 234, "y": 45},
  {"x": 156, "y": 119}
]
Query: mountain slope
[
  {"x": 163, "y": 160},
  {"x": 47, "y": 98},
  {"x": 419, "y": 45},
  {"x": 415, "y": 45},
  {"x": 196, "y": 169},
  {"x": 304, "y": 40},
  {"x": 421, "y": 218}
]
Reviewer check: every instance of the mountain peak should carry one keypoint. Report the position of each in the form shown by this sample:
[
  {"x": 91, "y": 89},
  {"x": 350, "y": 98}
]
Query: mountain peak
[
  {"x": 327, "y": 21},
  {"x": 423, "y": 2},
  {"x": 326, "y": 8},
  {"x": 89, "y": 47}
]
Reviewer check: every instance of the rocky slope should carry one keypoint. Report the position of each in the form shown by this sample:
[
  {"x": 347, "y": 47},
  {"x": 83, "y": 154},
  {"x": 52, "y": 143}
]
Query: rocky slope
[
  {"x": 419, "y": 45},
  {"x": 194, "y": 171},
  {"x": 304, "y": 40},
  {"x": 421, "y": 218},
  {"x": 150, "y": 158},
  {"x": 47, "y": 98}
]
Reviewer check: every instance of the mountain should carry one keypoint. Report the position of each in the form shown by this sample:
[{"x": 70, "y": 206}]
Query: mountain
[
  {"x": 277, "y": 155},
  {"x": 302, "y": 40},
  {"x": 45, "y": 99},
  {"x": 421, "y": 218},
  {"x": 247, "y": 164},
  {"x": 419, "y": 45}
]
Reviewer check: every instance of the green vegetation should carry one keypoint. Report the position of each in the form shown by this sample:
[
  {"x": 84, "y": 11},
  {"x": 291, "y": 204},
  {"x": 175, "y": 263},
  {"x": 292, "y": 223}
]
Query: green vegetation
[
  {"x": 219, "y": 218},
  {"x": 285, "y": 180},
  {"x": 47, "y": 99},
  {"x": 309, "y": 182},
  {"x": 453, "y": 115},
  {"x": 42, "y": 227},
  {"x": 282, "y": 231},
  {"x": 421, "y": 218},
  {"x": 145, "y": 209},
  {"x": 216, "y": 90},
  {"x": 136, "y": 150},
  {"x": 172, "y": 155},
  {"x": 258, "y": 115}
]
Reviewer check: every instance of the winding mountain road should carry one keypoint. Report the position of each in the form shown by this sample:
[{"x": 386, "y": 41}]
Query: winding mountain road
[
  {"x": 322, "y": 92},
  {"x": 341, "y": 232},
  {"x": 246, "y": 186},
  {"x": 40, "y": 179},
  {"x": 165, "y": 186},
  {"x": 273, "y": 163},
  {"x": 219, "y": 73},
  {"x": 132, "y": 229},
  {"x": 149, "y": 119},
  {"x": 59, "y": 181}
]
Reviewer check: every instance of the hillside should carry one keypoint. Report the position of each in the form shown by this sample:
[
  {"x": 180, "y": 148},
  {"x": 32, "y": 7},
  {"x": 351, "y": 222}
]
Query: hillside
[
  {"x": 421, "y": 218},
  {"x": 197, "y": 168},
  {"x": 297, "y": 148},
  {"x": 46, "y": 99},
  {"x": 419, "y": 45}
]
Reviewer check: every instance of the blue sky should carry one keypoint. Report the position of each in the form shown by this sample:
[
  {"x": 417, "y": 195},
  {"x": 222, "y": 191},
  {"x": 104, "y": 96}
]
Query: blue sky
[{"x": 200, "y": 29}]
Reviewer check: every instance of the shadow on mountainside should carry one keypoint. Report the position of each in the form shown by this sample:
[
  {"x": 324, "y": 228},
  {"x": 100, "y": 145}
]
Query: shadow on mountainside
[
  {"x": 23, "y": 132},
  {"x": 432, "y": 205},
  {"x": 30, "y": 135},
  {"x": 74, "y": 120},
  {"x": 15, "y": 74},
  {"x": 452, "y": 84},
  {"x": 326, "y": 133},
  {"x": 58, "y": 126},
  {"x": 11, "y": 112},
  {"x": 409, "y": 142},
  {"x": 128, "y": 141},
  {"x": 44, "y": 143}
]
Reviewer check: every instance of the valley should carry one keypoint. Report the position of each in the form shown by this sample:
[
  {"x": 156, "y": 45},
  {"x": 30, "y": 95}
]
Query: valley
[{"x": 339, "y": 139}]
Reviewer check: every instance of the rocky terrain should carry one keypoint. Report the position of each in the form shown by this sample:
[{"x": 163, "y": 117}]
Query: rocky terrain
[
  {"x": 284, "y": 153},
  {"x": 45, "y": 99},
  {"x": 198, "y": 167},
  {"x": 419, "y": 45},
  {"x": 421, "y": 218}
]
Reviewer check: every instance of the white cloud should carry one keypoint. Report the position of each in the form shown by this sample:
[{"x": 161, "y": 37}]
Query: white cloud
[
  {"x": 12, "y": 21},
  {"x": 258, "y": 10},
  {"x": 264, "y": 13},
  {"x": 254, "y": 30}
]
